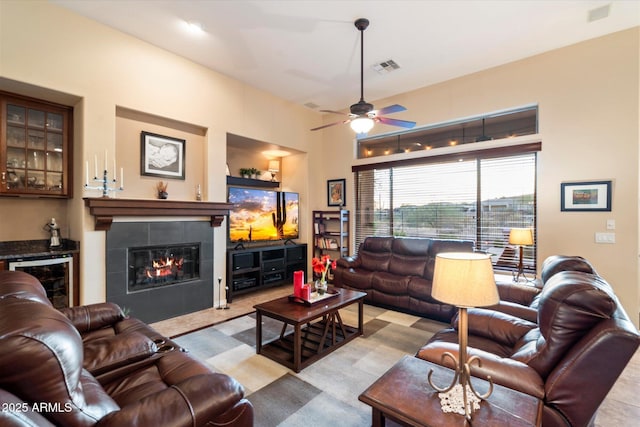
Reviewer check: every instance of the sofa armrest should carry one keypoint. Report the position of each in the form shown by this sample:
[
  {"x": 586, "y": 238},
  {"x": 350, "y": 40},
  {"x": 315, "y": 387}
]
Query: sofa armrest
[
  {"x": 517, "y": 310},
  {"x": 106, "y": 354},
  {"x": 87, "y": 318},
  {"x": 195, "y": 401},
  {"x": 348, "y": 262},
  {"x": 496, "y": 326},
  {"x": 517, "y": 293},
  {"x": 503, "y": 371}
]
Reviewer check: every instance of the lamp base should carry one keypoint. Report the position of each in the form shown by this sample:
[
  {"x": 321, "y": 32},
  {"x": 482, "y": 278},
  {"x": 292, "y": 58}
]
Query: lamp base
[{"x": 453, "y": 400}]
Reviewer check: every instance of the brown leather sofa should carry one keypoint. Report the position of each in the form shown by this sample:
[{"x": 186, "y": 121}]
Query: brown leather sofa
[
  {"x": 91, "y": 366},
  {"x": 397, "y": 273},
  {"x": 569, "y": 358}
]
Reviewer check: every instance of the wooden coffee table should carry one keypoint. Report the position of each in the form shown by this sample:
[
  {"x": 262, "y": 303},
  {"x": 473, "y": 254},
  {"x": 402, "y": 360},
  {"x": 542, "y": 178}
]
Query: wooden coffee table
[
  {"x": 403, "y": 395},
  {"x": 317, "y": 330}
]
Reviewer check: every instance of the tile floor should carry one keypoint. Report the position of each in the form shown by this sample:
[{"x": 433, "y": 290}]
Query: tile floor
[{"x": 620, "y": 407}]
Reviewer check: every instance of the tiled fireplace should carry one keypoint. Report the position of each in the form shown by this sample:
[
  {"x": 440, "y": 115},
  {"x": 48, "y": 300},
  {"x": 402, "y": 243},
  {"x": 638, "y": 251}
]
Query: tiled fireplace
[{"x": 158, "y": 270}]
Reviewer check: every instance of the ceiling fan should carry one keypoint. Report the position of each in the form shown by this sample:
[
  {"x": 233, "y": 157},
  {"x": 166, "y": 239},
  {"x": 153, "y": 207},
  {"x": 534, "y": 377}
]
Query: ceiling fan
[{"x": 362, "y": 115}]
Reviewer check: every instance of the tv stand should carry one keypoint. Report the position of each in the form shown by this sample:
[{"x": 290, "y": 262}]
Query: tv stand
[{"x": 251, "y": 269}]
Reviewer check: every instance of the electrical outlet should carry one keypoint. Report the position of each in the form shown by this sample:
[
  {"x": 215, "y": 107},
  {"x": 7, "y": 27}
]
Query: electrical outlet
[{"x": 605, "y": 237}]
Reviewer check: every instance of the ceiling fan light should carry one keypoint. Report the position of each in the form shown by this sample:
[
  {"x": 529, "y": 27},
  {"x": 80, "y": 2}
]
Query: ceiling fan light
[{"x": 362, "y": 125}]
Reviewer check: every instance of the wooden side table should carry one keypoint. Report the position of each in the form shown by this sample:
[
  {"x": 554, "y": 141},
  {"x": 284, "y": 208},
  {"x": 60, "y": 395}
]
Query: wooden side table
[{"x": 403, "y": 395}]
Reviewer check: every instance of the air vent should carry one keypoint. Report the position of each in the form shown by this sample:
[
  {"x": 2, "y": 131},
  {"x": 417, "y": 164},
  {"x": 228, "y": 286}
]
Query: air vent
[
  {"x": 386, "y": 66},
  {"x": 311, "y": 105},
  {"x": 599, "y": 13}
]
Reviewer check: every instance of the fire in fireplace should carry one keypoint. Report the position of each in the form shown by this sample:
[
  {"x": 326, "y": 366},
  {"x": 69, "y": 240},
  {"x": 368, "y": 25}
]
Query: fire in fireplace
[{"x": 150, "y": 267}]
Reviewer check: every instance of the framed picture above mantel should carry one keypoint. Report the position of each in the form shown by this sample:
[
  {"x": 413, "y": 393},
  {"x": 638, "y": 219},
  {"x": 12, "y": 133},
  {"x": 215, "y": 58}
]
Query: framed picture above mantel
[
  {"x": 590, "y": 196},
  {"x": 162, "y": 156}
]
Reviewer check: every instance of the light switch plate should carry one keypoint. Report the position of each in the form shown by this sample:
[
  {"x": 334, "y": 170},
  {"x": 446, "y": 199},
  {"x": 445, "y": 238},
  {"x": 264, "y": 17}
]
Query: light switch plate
[
  {"x": 605, "y": 237},
  {"x": 611, "y": 224}
]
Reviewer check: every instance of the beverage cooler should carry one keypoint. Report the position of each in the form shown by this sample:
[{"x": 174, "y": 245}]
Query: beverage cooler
[{"x": 54, "y": 272}]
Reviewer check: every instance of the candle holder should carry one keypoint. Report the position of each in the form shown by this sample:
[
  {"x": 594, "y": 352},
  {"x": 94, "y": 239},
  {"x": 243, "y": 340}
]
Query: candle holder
[{"x": 105, "y": 184}]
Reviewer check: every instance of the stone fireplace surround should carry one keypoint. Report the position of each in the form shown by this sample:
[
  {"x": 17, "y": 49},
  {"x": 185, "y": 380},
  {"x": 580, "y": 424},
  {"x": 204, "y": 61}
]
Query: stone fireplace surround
[
  {"x": 168, "y": 301},
  {"x": 159, "y": 303}
]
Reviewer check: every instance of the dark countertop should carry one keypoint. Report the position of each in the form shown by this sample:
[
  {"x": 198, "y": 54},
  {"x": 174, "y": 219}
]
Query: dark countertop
[{"x": 36, "y": 248}]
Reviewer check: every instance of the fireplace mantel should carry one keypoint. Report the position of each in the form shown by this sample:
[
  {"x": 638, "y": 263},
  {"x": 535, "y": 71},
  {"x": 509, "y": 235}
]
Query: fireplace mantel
[{"x": 104, "y": 209}]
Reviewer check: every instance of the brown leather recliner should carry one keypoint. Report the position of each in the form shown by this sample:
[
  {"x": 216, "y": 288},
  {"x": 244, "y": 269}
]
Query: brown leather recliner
[
  {"x": 48, "y": 373},
  {"x": 521, "y": 300},
  {"x": 570, "y": 358}
]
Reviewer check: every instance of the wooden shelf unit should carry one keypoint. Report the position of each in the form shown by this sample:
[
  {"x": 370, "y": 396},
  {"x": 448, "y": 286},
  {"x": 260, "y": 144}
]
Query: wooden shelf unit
[{"x": 331, "y": 233}]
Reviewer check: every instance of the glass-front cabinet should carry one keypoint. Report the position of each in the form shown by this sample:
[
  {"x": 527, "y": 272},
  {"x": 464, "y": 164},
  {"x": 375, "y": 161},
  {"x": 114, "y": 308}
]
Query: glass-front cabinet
[{"x": 35, "y": 148}]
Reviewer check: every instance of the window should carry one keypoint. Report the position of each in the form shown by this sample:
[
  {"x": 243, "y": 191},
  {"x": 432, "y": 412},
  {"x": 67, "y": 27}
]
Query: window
[{"x": 478, "y": 197}]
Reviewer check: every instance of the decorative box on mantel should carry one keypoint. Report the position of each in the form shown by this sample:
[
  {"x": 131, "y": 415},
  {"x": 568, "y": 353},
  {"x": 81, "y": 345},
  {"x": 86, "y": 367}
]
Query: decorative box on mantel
[{"x": 104, "y": 209}]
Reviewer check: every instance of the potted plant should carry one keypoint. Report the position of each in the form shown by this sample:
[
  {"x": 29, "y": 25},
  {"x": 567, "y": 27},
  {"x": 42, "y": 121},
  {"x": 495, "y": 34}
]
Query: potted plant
[
  {"x": 255, "y": 173},
  {"x": 245, "y": 172}
]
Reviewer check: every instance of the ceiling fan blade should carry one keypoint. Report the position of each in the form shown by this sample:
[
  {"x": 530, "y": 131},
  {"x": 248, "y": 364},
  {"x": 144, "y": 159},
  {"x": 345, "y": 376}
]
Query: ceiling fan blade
[
  {"x": 395, "y": 108},
  {"x": 332, "y": 124},
  {"x": 334, "y": 112},
  {"x": 395, "y": 122}
]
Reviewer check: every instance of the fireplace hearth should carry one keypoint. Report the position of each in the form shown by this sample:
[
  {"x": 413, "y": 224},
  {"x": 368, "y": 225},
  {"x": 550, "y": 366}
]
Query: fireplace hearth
[{"x": 160, "y": 269}]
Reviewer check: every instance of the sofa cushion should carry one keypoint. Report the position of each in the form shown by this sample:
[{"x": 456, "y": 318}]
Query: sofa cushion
[
  {"x": 375, "y": 253},
  {"x": 557, "y": 263},
  {"x": 409, "y": 256},
  {"x": 390, "y": 284}
]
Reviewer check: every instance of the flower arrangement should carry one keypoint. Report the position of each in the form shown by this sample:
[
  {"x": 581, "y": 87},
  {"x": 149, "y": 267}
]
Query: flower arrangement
[{"x": 322, "y": 266}]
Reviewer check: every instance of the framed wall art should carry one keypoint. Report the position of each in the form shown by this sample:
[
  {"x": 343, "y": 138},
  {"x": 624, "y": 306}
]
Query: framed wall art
[
  {"x": 336, "y": 192},
  {"x": 161, "y": 156},
  {"x": 585, "y": 196}
]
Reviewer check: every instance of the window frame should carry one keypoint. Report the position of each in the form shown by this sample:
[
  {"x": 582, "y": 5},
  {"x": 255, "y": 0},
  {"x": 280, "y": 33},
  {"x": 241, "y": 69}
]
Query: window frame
[{"x": 476, "y": 154}]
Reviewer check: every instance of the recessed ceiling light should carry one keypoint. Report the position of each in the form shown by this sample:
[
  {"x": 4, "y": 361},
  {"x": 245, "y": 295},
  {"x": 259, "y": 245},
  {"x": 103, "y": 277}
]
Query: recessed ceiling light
[{"x": 194, "y": 27}]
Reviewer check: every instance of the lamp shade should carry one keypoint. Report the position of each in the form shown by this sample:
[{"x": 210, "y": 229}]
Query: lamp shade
[
  {"x": 274, "y": 166},
  {"x": 362, "y": 124},
  {"x": 521, "y": 236},
  {"x": 464, "y": 279}
]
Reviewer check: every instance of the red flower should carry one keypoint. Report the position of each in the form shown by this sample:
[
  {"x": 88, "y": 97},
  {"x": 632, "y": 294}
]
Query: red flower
[{"x": 321, "y": 266}]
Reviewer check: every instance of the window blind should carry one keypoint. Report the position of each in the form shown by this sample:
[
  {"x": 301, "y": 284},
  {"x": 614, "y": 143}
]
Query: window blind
[{"x": 478, "y": 198}]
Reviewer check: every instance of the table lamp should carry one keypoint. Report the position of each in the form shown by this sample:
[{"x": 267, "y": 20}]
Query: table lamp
[
  {"x": 464, "y": 280},
  {"x": 521, "y": 237},
  {"x": 274, "y": 167}
]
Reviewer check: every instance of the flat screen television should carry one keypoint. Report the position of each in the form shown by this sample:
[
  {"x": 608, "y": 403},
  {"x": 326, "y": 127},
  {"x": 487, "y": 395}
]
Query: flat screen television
[
  {"x": 259, "y": 215},
  {"x": 289, "y": 206}
]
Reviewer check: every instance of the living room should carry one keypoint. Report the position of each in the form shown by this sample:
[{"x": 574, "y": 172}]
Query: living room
[
  {"x": 587, "y": 93},
  {"x": 588, "y": 124}
]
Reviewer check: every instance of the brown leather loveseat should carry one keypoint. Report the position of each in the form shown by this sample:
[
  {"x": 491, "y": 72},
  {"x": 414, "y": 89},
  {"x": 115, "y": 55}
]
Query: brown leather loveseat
[
  {"x": 397, "y": 273},
  {"x": 91, "y": 366},
  {"x": 569, "y": 358}
]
